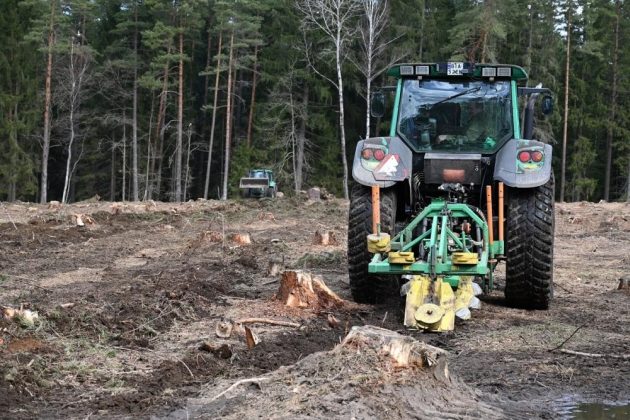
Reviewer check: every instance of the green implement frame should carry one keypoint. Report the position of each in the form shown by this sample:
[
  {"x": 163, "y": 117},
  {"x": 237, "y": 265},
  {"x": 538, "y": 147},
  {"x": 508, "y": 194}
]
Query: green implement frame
[{"x": 439, "y": 242}]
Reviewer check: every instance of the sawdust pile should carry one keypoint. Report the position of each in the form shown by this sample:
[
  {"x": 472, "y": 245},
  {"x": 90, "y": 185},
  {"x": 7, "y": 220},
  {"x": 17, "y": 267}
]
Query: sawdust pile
[{"x": 373, "y": 373}]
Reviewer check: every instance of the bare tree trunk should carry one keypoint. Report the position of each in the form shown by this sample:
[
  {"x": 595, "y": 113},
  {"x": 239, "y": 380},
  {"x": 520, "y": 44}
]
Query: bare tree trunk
[
  {"x": 250, "y": 122},
  {"x": 180, "y": 121},
  {"x": 228, "y": 122},
  {"x": 145, "y": 196},
  {"x": 566, "y": 105},
  {"x": 214, "y": 118},
  {"x": 342, "y": 125},
  {"x": 112, "y": 180},
  {"x": 613, "y": 105},
  {"x": 47, "y": 102},
  {"x": 159, "y": 134},
  {"x": 187, "y": 166},
  {"x": 301, "y": 141},
  {"x": 134, "y": 140},
  {"x": 422, "y": 19},
  {"x": 124, "y": 158}
]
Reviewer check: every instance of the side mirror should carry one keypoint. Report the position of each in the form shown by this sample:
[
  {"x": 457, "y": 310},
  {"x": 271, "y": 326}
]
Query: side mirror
[
  {"x": 377, "y": 104},
  {"x": 547, "y": 105}
]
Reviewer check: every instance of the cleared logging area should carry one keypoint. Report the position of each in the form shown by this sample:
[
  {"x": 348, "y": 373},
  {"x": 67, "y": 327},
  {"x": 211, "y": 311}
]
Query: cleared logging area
[{"x": 134, "y": 304}]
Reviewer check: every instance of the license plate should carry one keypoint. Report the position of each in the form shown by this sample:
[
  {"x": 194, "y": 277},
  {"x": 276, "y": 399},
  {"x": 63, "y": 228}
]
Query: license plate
[{"x": 455, "y": 69}]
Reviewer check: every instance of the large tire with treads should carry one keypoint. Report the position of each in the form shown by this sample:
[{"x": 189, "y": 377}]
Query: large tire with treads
[
  {"x": 368, "y": 288},
  {"x": 529, "y": 246}
]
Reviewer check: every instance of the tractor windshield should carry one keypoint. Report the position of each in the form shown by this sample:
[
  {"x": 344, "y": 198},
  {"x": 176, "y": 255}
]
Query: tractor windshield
[{"x": 466, "y": 116}]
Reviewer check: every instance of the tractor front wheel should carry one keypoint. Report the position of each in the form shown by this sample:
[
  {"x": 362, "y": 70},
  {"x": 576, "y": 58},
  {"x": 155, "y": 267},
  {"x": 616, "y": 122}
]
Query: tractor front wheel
[
  {"x": 529, "y": 246},
  {"x": 367, "y": 288}
]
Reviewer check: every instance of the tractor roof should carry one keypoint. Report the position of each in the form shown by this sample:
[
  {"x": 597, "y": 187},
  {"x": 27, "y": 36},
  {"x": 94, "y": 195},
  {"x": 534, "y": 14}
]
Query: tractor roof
[{"x": 458, "y": 70}]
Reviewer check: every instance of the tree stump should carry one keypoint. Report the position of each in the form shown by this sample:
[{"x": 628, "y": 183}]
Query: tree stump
[
  {"x": 325, "y": 238},
  {"x": 241, "y": 238},
  {"x": 403, "y": 350},
  {"x": 300, "y": 289},
  {"x": 314, "y": 194}
]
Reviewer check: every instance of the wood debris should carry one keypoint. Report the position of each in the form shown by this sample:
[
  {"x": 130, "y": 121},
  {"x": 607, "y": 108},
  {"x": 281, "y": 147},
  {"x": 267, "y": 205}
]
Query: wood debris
[
  {"x": 251, "y": 339},
  {"x": 24, "y": 317},
  {"x": 266, "y": 215},
  {"x": 223, "y": 351}
]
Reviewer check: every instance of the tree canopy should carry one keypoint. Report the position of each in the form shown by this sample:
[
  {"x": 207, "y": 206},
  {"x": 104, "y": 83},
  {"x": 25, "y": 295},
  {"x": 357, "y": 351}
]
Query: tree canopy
[{"x": 175, "y": 100}]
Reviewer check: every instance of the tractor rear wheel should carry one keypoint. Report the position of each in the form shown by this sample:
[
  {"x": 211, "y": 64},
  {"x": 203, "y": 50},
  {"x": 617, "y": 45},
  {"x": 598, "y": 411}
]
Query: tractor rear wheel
[
  {"x": 529, "y": 246},
  {"x": 368, "y": 288}
]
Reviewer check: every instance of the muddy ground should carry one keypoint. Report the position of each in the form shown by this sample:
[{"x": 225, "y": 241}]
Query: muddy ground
[{"x": 126, "y": 301}]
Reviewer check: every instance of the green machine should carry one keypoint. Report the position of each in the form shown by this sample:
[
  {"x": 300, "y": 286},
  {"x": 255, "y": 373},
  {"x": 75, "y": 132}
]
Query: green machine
[
  {"x": 258, "y": 183},
  {"x": 457, "y": 187}
]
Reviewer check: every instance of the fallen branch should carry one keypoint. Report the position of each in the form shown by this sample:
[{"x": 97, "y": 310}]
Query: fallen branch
[
  {"x": 237, "y": 383},
  {"x": 268, "y": 321},
  {"x": 596, "y": 355},
  {"x": 572, "y": 334}
]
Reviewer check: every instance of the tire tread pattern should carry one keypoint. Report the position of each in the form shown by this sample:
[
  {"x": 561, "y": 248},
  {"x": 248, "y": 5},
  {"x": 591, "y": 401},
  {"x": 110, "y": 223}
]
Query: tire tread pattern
[
  {"x": 368, "y": 288},
  {"x": 529, "y": 246}
]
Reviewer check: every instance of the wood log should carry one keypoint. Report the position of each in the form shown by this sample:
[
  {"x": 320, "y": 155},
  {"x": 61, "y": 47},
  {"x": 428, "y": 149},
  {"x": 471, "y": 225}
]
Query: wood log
[
  {"x": 402, "y": 350},
  {"x": 300, "y": 289},
  {"x": 325, "y": 238},
  {"x": 54, "y": 205}
]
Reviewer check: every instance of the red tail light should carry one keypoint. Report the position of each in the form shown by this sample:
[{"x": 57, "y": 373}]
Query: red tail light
[
  {"x": 537, "y": 156},
  {"x": 524, "y": 156},
  {"x": 366, "y": 154},
  {"x": 379, "y": 154}
]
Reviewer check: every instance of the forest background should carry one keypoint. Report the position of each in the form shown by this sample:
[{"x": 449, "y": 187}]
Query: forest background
[{"x": 177, "y": 99}]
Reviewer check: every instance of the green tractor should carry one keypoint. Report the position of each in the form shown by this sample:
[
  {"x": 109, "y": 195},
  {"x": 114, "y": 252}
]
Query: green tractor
[
  {"x": 258, "y": 183},
  {"x": 455, "y": 188}
]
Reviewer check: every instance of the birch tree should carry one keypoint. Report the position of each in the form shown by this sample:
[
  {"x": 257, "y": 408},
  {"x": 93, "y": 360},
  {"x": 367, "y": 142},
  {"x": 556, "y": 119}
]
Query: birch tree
[
  {"x": 373, "y": 25},
  {"x": 47, "y": 103},
  {"x": 72, "y": 89},
  {"x": 334, "y": 20}
]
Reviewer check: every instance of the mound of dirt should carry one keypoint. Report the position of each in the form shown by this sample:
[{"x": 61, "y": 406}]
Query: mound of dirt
[{"x": 373, "y": 373}]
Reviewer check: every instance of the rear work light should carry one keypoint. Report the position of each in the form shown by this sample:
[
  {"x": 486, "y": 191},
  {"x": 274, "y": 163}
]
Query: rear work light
[
  {"x": 379, "y": 154},
  {"x": 366, "y": 154},
  {"x": 524, "y": 156},
  {"x": 537, "y": 156}
]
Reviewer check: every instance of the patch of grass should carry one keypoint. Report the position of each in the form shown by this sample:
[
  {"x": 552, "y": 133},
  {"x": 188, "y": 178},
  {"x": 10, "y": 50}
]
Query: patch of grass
[{"x": 324, "y": 259}]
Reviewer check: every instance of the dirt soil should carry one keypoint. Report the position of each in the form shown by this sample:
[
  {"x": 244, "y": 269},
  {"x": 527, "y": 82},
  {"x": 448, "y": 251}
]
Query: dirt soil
[{"x": 126, "y": 301}]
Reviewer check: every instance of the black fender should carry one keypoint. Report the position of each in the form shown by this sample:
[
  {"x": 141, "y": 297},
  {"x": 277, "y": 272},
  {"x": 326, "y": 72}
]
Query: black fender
[{"x": 514, "y": 173}]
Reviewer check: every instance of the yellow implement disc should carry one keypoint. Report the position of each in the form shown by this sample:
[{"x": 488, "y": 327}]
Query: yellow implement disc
[{"x": 429, "y": 313}]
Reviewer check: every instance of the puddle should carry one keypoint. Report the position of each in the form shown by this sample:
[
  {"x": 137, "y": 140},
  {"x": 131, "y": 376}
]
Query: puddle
[{"x": 572, "y": 408}]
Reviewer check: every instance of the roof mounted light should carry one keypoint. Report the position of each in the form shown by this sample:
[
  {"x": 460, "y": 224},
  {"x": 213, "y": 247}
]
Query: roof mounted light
[
  {"x": 489, "y": 72},
  {"x": 504, "y": 72},
  {"x": 406, "y": 70},
  {"x": 422, "y": 70}
]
